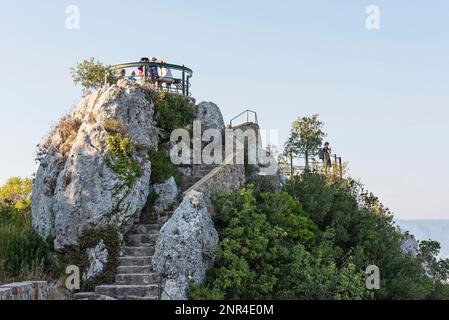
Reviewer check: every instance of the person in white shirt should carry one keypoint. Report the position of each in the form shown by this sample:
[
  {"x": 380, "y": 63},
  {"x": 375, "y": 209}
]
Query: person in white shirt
[{"x": 165, "y": 76}]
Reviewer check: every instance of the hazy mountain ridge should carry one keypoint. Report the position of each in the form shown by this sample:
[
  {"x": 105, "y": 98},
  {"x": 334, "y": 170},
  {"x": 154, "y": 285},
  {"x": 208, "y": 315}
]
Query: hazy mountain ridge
[{"x": 437, "y": 230}]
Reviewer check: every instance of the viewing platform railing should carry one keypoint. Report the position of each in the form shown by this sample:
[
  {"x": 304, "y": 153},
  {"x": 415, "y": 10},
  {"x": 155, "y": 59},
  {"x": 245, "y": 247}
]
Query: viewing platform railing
[
  {"x": 335, "y": 167},
  {"x": 178, "y": 83}
]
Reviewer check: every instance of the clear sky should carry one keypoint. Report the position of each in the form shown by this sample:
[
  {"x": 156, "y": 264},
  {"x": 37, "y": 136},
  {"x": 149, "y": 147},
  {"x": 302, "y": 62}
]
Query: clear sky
[{"x": 383, "y": 94}]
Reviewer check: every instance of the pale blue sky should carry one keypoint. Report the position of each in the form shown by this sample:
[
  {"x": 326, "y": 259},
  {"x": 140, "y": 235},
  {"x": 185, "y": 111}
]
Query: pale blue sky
[{"x": 383, "y": 94}]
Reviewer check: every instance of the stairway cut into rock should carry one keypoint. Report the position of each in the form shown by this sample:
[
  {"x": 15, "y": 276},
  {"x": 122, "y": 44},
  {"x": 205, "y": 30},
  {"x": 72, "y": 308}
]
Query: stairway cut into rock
[{"x": 136, "y": 279}]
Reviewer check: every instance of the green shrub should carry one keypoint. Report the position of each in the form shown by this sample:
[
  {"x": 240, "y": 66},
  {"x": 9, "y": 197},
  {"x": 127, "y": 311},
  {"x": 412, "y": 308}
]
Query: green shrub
[
  {"x": 120, "y": 158},
  {"x": 91, "y": 74},
  {"x": 263, "y": 254},
  {"x": 354, "y": 223},
  {"x": 25, "y": 255},
  {"x": 173, "y": 111},
  {"x": 161, "y": 166}
]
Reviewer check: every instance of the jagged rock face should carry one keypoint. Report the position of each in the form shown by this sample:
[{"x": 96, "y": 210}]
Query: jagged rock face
[
  {"x": 74, "y": 188},
  {"x": 186, "y": 245},
  {"x": 210, "y": 116},
  {"x": 167, "y": 194},
  {"x": 410, "y": 246},
  {"x": 97, "y": 257}
]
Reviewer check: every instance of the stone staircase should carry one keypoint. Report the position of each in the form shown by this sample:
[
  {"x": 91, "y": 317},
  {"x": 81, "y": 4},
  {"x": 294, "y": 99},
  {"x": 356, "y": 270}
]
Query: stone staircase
[
  {"x": 198, "y": 171},
  {"x": 136, "y": 279}
]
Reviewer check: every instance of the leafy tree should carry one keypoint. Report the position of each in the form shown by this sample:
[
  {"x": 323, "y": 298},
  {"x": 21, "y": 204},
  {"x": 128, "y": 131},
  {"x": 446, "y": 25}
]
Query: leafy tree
[
  {"x": 15, "y": 201},
  {"x": 306, "y": 137},
  {"x": 92, "y": 75}
]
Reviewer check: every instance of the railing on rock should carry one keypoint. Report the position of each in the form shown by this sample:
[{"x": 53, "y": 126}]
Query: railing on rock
[
  {"x": 247, "y": 113},
  {"x": 180, "y": 84}
]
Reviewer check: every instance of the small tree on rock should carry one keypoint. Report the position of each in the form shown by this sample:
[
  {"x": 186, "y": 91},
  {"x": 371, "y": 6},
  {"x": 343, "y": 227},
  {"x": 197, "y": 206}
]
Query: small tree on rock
[{"x": 92, "y": 74}]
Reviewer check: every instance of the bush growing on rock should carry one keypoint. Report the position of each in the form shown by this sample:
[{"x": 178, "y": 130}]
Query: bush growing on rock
[
  {"x": 161, "y": 166},
  {"x": 121, "y": 159},
  {"x": 173, "y": 111}
]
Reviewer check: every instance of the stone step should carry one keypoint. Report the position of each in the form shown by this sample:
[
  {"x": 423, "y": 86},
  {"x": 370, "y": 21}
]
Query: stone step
[
  {"x": 137, "y": 278},
  {"x": 162, "y": 220},
  {"x": 190, "y": 179},
  {"x": 144, "y": 228},
  {"x": 146, "y": 232},
  {"x": 138, "y": 251},
  {"x": 140, "y": 239},
  {"x": 155, "y": 297},
  {"x": 134, "y": 269},
  {"x": 91, "y": 296},
  {"x": 127, "y": 261},
  {"x": 120, "y": 291},
  {"x": 201, "y": 172}
]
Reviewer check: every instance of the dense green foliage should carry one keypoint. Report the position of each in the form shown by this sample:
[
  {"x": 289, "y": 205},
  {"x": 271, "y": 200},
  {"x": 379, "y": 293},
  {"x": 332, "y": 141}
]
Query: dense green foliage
[
  {"x": 173, "y": 111},
  {"x": 23, "y": 253},
  {"x": 268, "y": 250},
  {"x": 120, "y": 158},
  {"x": 91, "y": 74},
  {"x": 161, "y": 166},
  {"x": 315, "y": 241}
]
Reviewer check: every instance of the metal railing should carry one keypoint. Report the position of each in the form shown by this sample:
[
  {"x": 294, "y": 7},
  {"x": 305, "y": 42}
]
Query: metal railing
[
  {"x": 179, "y": 85},
  {"x": 247, "y": 112},
  {"x": 335, "y": 166}
]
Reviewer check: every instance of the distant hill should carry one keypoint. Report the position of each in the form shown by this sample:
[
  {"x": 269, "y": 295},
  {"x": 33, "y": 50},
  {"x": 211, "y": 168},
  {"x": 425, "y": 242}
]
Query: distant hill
[{"x": 437, "y": 230}]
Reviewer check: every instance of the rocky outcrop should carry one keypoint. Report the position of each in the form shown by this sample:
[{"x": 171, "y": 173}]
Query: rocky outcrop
[
  {"x": 210, "y": 116},
  {"x": 167, "y": 195},
  {"x": 409, "y": 245},
  {"x": 98, "y": 258},
  {"x": 186, "y": 245},
  {"x": 75, "y": 187}
]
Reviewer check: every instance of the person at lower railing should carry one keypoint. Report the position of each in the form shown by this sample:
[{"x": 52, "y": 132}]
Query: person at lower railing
[{"x": 325, "y": 155}]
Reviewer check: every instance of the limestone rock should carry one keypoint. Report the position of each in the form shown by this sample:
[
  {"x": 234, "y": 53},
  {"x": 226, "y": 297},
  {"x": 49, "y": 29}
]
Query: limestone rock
[
  {"x": 98, "y": 257},
  {"x": 167, "y": 194},
  {"x": 410, "y": 246},
  {"x": 210, "y": 116},
  {"x": 186, "y": 245},
  {"x": 74, "y": 188}
]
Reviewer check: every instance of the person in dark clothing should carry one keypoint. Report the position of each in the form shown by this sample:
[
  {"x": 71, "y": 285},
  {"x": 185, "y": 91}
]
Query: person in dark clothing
[{"x": 327, "y": 151}]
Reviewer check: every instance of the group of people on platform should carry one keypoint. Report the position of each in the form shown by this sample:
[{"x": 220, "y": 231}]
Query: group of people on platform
[{"x": 154, "y": 74}]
